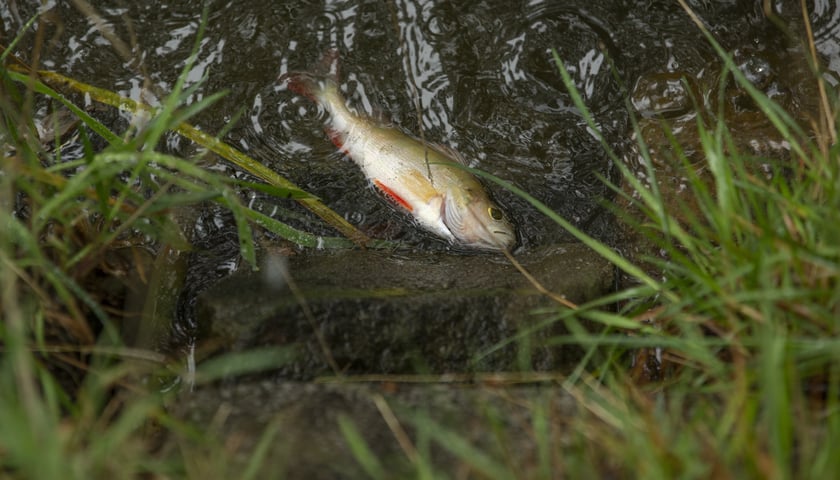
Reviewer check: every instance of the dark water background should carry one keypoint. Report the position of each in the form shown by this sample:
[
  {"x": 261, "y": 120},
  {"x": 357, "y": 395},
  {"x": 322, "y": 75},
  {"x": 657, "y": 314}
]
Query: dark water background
[{"x": 481, "y": 72}]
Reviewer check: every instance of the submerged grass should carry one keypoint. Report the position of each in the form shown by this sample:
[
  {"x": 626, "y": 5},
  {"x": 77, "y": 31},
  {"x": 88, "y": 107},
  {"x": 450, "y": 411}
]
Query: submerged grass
[{"x": 738, "y": 304}]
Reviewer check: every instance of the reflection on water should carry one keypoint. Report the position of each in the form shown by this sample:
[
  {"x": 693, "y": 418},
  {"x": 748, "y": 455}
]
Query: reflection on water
[
  {"x": 424, "y": 70},
  {"x": 479, "y": 75},
  {"x": 826, "y": 19}
]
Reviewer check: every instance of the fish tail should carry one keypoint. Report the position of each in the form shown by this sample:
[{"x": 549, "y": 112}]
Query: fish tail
[
  {"x": 312, "y": 84},
  {"x": 303, "y": 84}
]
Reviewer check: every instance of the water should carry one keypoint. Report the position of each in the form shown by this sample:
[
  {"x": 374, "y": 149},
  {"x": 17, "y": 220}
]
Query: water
[
  {"x": 476, "y": 75},
  {"x": 481, "y": 73}
]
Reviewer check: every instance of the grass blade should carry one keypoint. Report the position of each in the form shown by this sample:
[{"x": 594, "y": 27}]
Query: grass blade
[
  {"x": 366, "y": 458},
  {"x": 213, "y": 144}
]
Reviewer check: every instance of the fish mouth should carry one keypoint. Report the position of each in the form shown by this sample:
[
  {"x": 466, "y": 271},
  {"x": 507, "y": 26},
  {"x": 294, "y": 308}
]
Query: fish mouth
[
  {"x": 507, "y": 242},
  {"x": 498, "y": 240}
]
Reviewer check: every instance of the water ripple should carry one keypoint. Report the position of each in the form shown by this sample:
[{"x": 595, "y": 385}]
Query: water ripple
[
  {"x": 527, "y": 68},
  {"x": 826, "y": 20},
  {"x": 425, "y": 69}
]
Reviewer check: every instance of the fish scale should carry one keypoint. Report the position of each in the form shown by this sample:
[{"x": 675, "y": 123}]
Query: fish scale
[{"x": 451, "y": 202}]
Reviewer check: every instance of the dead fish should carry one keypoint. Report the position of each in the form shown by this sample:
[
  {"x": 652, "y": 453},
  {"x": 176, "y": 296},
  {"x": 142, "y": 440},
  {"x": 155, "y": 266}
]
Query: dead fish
[{"x": 451, "y": 203}]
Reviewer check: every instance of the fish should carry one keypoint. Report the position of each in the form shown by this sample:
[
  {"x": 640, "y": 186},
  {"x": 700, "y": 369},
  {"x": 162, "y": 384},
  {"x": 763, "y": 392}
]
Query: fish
[{"x": 441, "y": 195}]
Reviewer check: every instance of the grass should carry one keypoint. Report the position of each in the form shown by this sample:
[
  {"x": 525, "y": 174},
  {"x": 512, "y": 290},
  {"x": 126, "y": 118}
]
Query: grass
[
  {"x": 743, "y": 308},
  {"x": 72, "y": 405},
  {"x": 747, "y": 317}
]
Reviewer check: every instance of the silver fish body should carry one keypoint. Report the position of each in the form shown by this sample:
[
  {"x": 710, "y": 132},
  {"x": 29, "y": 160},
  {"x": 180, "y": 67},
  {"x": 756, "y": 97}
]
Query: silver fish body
[{"x": 442, "y": 196}]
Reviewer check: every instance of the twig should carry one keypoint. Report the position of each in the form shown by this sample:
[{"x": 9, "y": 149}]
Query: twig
[
  {"x": 478, "y": 378},
  {"x": 232, "y": 155},
  {"x": 396, "y": 428},
  {"x": 536, "y": 283},
  {"x": 412, "y": 84},
  {"x": 307, "y": 312},
  {"x": 828, "y": 122}
]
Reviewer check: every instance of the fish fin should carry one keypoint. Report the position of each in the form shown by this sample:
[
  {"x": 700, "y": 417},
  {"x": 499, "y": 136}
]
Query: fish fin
[
  {"x": 381, "y": 117},
  {"x": 412, "y": 181},
  {"x": 419, "y": 183},
  {"x": 319, "y": 77},
  {"x": 450, "y": 152},
  {"x": 302, "y": 84},
  {"x": 338, "y": 140},
  {"x": 393, "y": 195},
  {"x": 451, "y": 214}
]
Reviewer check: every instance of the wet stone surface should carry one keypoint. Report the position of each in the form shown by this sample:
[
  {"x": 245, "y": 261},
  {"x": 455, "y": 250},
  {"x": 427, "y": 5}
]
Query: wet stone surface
[{"x": 384, "y": 312}]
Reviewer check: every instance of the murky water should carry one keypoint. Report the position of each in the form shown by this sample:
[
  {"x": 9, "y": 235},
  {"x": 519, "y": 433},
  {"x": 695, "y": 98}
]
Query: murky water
[{"x": 476, "y": 75}]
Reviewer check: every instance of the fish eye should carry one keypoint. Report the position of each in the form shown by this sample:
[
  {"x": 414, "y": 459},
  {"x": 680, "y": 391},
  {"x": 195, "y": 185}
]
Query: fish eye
[{"x": 495, "y": 213}]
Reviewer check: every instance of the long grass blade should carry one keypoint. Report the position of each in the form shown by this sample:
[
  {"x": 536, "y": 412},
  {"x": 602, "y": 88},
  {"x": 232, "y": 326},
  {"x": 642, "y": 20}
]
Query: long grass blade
[
  {"x": 366, "y": 458},
  {"x": 215, "y": 145}
]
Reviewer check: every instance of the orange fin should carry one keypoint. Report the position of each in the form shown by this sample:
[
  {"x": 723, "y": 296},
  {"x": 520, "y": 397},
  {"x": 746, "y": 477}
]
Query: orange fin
[
  {"x": 337, "y": 140},
  {"x": 309, "y": 84},
  {"x": 391, "y": 194},
  {"x": 302, "y": 84}
]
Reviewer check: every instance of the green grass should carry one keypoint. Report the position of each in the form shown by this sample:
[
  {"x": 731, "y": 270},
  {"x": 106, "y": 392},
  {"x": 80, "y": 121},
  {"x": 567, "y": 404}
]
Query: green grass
[
  {"x": 744, "y": 307},
  {"x": 747, "y": 318},
  {"x": 71, "y": 401}
]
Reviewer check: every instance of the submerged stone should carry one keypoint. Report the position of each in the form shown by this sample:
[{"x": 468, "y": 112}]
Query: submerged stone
[
  {"x": 668, "y": 94},
  {"x": 387, "y": 312}
]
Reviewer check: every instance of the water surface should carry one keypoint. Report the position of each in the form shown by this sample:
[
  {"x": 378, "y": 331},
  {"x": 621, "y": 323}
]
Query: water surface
[{"x": 476, "y": 75}]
